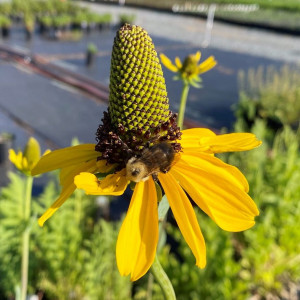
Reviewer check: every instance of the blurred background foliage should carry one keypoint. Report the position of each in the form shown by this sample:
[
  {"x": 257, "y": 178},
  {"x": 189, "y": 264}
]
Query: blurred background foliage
[
  {"x": 269, "y": 94},
  {"x": 71, "y": 257},
  {"x": 277, "y": 14}
]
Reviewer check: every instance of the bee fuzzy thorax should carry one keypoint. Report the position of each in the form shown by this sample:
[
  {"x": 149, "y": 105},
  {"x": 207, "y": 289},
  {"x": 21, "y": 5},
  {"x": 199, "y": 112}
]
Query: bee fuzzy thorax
[{"x": 158, "y": 158}]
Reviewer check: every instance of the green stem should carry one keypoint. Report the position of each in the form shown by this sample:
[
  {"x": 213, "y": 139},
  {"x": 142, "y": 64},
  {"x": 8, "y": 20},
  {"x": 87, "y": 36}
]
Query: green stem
[
  {"x": 163, "y": 280},
  {"x": 26, "y": 238},
  {"x": 183, "y": 99},
  {"x": 149, "y": 287}
]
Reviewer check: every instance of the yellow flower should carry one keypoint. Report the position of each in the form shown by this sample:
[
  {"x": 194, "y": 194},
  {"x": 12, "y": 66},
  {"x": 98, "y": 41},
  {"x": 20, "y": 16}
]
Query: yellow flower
[
  {"x": 189, "y": 70},
  {"x": 26, "y": 160},
  {"x": 219, "y": 189}
]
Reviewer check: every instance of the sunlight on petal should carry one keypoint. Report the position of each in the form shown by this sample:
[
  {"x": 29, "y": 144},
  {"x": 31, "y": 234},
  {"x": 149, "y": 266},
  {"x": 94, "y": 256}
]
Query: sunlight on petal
[
  {"x": 191, "y": 138},
  {"x": 204, "y": 140},
  {"x": 138, "y": 236},
  {"x": 113, "y": 184},
  {"x": 65, "y": 157},
  {"x": 231, "y": 142},
  {"x": 229, "y": 206},
  {"x": 216, "y": 167},
  {"x": 185, "y": 217}
]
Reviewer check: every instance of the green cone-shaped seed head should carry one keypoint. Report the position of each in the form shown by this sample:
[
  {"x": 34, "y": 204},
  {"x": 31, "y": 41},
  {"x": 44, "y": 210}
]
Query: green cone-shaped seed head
[{"x": 138, "y": 97}]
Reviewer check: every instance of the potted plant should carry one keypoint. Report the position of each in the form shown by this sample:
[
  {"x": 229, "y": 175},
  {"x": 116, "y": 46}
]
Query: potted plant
[
  {"x": 45, "y": 24},
  {"x": 80, "y": 21},
  {"x": 91, "y": 54},
  {"x": 29, "y": 26},
  {"x": 126, "y": 19},
  {"x": 5, "y": 24}
]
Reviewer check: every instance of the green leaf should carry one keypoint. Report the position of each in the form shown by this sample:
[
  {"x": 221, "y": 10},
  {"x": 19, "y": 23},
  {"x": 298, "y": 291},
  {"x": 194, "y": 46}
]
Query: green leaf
[
  {"x": 158, "y": 191},
  {"x": 163, "y": 208}
]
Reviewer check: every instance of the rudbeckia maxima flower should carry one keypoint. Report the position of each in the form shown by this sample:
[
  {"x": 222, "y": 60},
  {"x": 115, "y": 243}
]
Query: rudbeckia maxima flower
[
  {"x": 26, "y": 160},
  {"x": 219, "y": 189},
  {"x": 190, "y": 69},
  {"x": 138, "y": 123}
]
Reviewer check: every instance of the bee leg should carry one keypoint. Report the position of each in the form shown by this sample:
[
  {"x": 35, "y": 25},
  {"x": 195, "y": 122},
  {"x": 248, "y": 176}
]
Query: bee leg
[
  {"x": 155, "y": 177},
  {"x": 165, "y": 170}
]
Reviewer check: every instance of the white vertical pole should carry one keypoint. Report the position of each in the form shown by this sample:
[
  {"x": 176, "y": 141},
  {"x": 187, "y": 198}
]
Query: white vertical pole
[{"x": 209, "y": 25}]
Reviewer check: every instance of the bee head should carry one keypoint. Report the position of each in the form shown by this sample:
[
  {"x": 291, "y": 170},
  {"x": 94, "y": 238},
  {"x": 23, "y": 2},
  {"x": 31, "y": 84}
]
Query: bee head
[{"x": 136, "y": 170}]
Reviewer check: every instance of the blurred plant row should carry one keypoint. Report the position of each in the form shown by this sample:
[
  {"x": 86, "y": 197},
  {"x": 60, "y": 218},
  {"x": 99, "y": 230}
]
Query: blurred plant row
[
  {"x": 52, "y": 15},
  {"x": 73, "y": 256},
  {"x": 275, "y": 14}
]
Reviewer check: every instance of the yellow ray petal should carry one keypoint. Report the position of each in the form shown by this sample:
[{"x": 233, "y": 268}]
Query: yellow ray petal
[
  {"x": 230, "y": 207},
  {"x": 191, "y": 138},
  {"x": 16, "y": 159},
  {"x": 215, "y": 166},
  {"x": 230, "y": 142},
  {"x": 12, "y": 156},
  {"x": 68, "y": 174},
  {"x": 25, "y": 164},
  {"x": 138, "y": 236},
  {"x": 68, "y": 187},
  {"x": 168, "y": 63},
  {"x": 104, "y": 167},
  {"x": 185, "y": 217},
  {"x": 198, "y": 56},
  {"x": 178, "y": 62},
  {"x": 113, "y": 184},
  {"x": 204, "y": 140},
  {"x": 64, "y": 195},
  {"x": 65, "y": 157},
  {"x": 98, "y": 167},
  {"x": 207, "y": 65},
  {"x": 46, "y": 152}
]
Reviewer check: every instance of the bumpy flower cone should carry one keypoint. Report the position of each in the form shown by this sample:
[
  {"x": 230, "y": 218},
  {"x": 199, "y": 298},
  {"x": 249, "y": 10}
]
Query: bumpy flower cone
[
  {"x": 138, "y": 113},
  {"x": 138, "y": 97}
]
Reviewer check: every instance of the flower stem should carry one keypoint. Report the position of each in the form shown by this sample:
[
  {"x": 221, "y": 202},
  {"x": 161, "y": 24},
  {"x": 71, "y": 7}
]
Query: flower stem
[
  {"x": 184, "y": 94},
  {"x": 163, "y": 280},
  {"x": 149, "y": 287},
  {"x": 26, "y": 238}
]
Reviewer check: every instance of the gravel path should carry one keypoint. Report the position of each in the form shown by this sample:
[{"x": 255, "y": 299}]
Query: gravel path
[{"x": 224, "y": 36}]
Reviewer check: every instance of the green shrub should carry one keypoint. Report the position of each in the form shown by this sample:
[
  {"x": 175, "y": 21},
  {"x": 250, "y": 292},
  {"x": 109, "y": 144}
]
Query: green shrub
[
  {"x": 5, "y": 22},
  {"x": 61, "y": 21},
  {"x": 5, "y": 8},
  {"x": 47, "y": 21},
  {"x": 127, "y": 18},
  {"x": 72, "y": 256},
  {"x": 80, "y": 18},
  {"x": 271, "y": 95}
]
